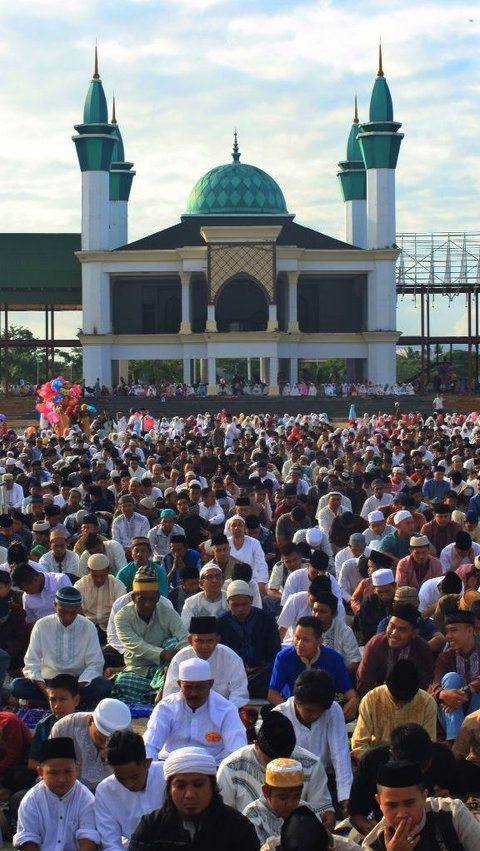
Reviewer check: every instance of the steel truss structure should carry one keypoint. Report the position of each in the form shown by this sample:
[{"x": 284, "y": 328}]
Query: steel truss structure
[{"x": 447, "y": 265}]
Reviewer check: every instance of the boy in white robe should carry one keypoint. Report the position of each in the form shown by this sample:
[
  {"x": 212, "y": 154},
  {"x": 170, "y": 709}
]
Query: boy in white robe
[{"x": 59, "y": 811}]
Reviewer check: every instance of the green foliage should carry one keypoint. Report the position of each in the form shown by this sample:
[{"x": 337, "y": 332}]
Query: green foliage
[
  {"x": 155, "y": 370},
  {"x": 27, "y": 363},
  {"x": 409, "y": 364}
]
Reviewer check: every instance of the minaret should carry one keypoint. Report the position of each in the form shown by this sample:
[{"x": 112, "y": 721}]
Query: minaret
[
  {"x": 121, "y": 179},
  {"x": 95, "y": 143},
  {"x": 351, "y": 176},
  {"x": 379, "y": 142}
]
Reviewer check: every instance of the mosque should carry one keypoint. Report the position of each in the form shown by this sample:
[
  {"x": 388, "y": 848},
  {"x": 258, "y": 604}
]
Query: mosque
[{"x": 237, "y": 275}]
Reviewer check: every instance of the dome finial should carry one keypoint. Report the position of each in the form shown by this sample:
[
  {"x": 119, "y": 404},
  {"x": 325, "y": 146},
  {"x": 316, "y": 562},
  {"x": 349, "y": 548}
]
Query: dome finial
[
  {"x": 380, "y": 66},
  {"x": 355, "y": 113},
  {"x": 235, "y": 152},
  {"x": 114, "y": 115},
  {"x": 96, "y": 75}
]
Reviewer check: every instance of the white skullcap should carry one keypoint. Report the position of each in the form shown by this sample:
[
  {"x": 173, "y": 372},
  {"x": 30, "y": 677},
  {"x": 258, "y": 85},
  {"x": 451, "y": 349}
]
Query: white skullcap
[
  {"x": 194, "y": 671},
  {"x": 97, "y": 561},
  {"x": 375, "y": 516},
  {"x": 313, "y": 537},
  {"x": 382, "y": 576},
  {"x": 210, "y": 565},
  {"x": 111, "y": 715},
  {"x": 189, "y": 760},
  {"x": 401, "y": 515},
  {"x": 239, "y": 588}
]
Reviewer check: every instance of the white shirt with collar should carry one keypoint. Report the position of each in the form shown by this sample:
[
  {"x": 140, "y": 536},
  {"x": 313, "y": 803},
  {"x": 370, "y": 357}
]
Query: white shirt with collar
[
  {"x": 118, "y": 811},
  {"x": 228, "y": 672},
  {"x": 327, "y": 738},
  {"x": 215, "y": 726},
  {"x": 54, "y": 823}
]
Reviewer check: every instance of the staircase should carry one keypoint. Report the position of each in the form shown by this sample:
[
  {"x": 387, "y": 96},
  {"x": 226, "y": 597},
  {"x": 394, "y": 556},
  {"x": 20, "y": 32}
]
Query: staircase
[{"x": 22, "y": 409}]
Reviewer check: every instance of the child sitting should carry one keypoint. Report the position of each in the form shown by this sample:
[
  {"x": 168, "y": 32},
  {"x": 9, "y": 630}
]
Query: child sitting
[
  {"x": 63, "y": 697},
  {"x": 281, "y": 794},
  {"x": 58, "y": 813}
]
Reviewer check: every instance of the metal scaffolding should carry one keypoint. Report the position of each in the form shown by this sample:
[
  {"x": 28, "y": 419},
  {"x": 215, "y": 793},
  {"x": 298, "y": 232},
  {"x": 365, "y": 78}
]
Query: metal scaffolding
[{"x": 441, "y": 264}]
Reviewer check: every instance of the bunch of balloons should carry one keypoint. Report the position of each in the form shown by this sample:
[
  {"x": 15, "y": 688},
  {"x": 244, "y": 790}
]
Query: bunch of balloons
[{"x": 58, "y": 397}]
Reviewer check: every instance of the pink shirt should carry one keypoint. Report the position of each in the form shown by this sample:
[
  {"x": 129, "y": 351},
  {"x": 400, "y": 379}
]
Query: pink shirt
[{"x": 408, "y": 570}]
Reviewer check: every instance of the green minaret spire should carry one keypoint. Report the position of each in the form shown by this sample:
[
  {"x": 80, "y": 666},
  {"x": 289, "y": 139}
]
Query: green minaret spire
[
  {"x": 379, "y": 138},
  {"x": 351, "y": 174},
  {"x": 95, "y": 140},
  {"x": 121, "y": 174}
]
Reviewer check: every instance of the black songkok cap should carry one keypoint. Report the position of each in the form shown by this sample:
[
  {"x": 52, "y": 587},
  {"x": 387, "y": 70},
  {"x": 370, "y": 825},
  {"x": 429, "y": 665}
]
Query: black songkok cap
[
  {"x": 59, "y": 748},
  {"x": 406, "y": 612},
  {"x": 276, "y": 736},
  {"x": 203, "y": 626},
  {"x": 400, "y": 775},
  {"x": 460, "y": 617}
]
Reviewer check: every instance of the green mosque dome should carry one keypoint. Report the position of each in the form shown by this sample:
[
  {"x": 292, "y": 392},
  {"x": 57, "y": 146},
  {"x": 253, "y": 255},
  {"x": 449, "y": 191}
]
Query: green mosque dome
[{"x": 236, "y": 189}]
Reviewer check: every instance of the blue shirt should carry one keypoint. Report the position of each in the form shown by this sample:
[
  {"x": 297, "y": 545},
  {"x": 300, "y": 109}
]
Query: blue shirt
[
  {"x": 288, "y": 666},
  {"x": 191, "y": 559},
  {"x": 434, "y": 489}
]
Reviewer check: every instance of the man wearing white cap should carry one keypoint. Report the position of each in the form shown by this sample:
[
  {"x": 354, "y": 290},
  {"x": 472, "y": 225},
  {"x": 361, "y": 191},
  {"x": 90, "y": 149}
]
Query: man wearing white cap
[
  {"x": 99, "y": 590},
  {"x": 377, "y": 606},
  {"x": 90, "y": 733},
  {"x": 196, "y": 716},
  {"x": 420, "y": 565},
  {"x": 357, "y": 546},
  {"x": 315, "y": 538},
  {"x": 326, "y": 515},
  {"x": 378, "y": 527},
  {"x": 397, "y": 545},
  {"x": 211, "y": 600},
  {"x": 228, "y": 671},
  {"x": 193, "y": 814},
  {"x": 14, "y": 492},
  {"x": 252, "y": 634}
]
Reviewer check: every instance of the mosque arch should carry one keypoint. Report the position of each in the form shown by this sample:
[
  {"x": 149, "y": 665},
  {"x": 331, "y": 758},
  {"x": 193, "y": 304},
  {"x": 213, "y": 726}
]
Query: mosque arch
[{"x": 241, "y": 305}]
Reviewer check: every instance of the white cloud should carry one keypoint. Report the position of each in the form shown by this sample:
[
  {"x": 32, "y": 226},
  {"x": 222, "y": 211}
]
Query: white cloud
[{"x": 185, "y": 73}]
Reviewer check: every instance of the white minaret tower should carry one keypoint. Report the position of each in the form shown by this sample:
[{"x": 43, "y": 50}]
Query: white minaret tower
[
  {"x": 379, "y": 142},
  {"x": 121, "y": 179},
  {"x": 95, "y": 143},
  {"x": 351, "y": 176}
]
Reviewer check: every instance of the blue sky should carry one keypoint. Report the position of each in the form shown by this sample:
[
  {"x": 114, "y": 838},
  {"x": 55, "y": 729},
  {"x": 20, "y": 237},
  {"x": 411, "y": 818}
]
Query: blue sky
[{"x": 186, "y": 72}]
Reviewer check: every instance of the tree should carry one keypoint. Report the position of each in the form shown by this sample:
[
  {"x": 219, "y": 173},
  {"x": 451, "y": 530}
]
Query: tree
[{"x": 409, "y": 364}]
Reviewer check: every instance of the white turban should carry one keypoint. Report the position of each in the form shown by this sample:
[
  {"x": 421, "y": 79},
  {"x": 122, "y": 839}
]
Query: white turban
[
  {"x": 189, "y": 760},
  {"x": 400, "y": 516},
  {"x": 375, "y": 516},
  {"x": 194, "y": 670}
]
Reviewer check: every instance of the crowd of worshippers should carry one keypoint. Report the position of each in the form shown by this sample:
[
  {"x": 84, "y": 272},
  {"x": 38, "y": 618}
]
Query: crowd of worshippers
[{"x": 297, "y": 607}]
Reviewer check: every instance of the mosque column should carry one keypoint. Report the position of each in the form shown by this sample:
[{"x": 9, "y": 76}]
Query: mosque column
[
  {"x": 123, "y": 370},
  {"x": 272, "y": 324},
  {"x": 293, "y": 371},
  {"x": 292, "y": 327},
  {"x": 203, "y": 370},
  {"x": 211, "y": 325},
  {"x": 185, "y": 325},
  {"x": 212, "y": 377},
  {"x": 187, "y": 371},
  {"x": 273, "y": 377},
  {"x": 263, "y": 370}
]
